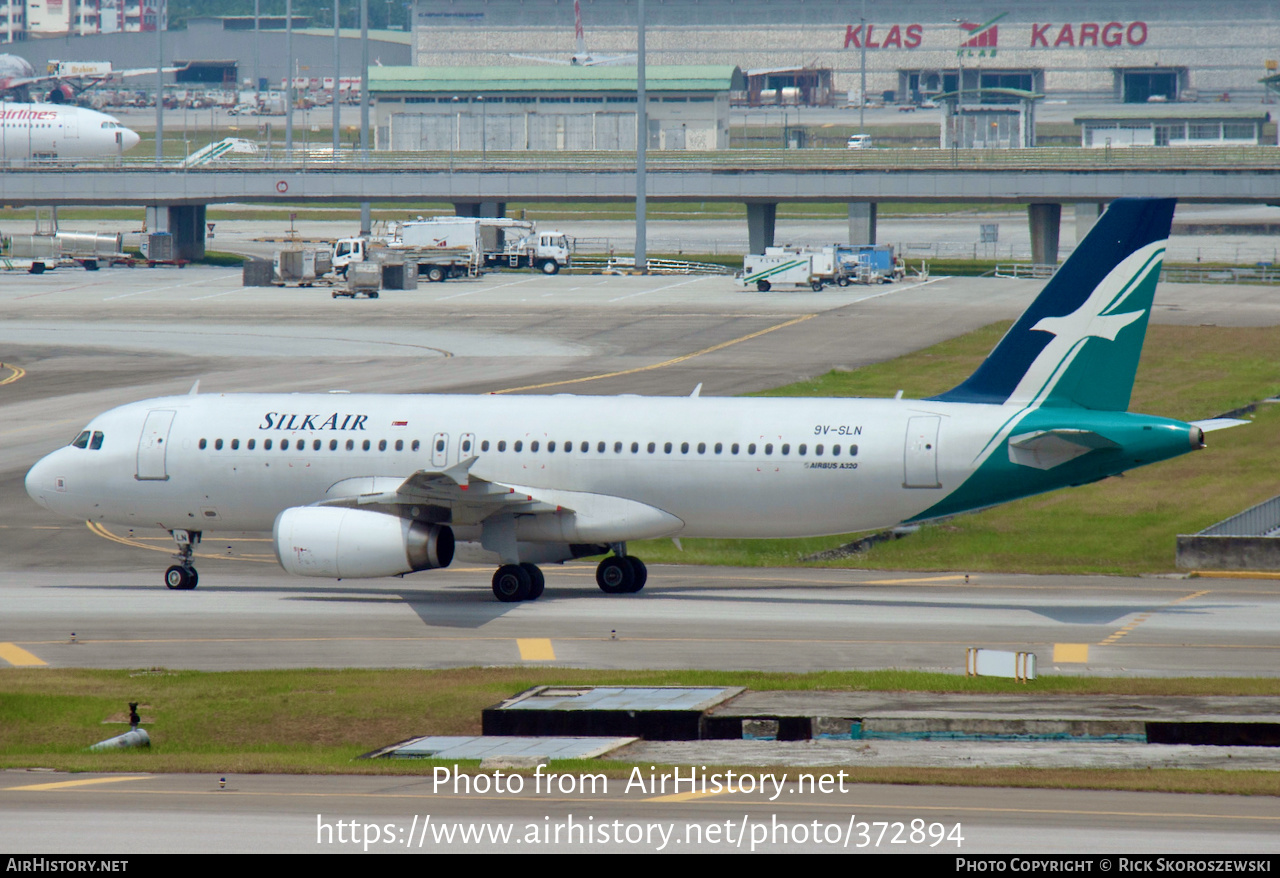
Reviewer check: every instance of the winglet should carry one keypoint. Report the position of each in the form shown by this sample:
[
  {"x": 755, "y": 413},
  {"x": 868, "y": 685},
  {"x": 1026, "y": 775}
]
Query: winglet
[
  {"x": 195, "y": 388},
  {"x": 697, "y": 391}
]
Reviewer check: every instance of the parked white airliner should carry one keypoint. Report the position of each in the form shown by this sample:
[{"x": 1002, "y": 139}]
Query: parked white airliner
[
  {"x": 60, "y": 131},
  {"x": 355, "y": 485}
]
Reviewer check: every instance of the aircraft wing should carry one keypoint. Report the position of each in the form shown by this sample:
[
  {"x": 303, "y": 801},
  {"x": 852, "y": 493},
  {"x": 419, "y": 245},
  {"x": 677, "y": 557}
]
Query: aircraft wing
[
  {"x": 83, "y": 81},
  {"x": 542, "y": 60},
  {"x": 470, "y": 500},
  {"x": 456, "y": 497}
]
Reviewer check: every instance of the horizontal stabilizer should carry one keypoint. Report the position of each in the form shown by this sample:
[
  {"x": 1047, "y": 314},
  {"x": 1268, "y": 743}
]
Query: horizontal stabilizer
[
  {"x": 1210, "y": 424},
  {"x": 1045, "y": 449}
]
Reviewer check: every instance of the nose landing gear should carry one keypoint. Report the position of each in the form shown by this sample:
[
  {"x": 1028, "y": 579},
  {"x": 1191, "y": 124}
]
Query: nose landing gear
[{"x": 183, "y": 576}]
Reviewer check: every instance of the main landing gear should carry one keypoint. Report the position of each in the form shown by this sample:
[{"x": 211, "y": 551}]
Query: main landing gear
[
  {"x": 621, "y": 573},
  {"x": 183, "y": 576},
  {"x": 518, "y": 582}
]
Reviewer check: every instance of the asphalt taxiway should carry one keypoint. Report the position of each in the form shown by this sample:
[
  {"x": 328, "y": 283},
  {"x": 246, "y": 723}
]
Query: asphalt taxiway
[
  {"x": 123, "y": 814},
  {"x": 82, "y": 342},
  {"x": 87, "y": 341}
]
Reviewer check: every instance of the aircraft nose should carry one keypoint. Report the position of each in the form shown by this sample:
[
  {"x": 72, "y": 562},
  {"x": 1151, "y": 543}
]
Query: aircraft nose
[
  {"x": 130, "y": 139},
  {"x": 39, "y": 482}
]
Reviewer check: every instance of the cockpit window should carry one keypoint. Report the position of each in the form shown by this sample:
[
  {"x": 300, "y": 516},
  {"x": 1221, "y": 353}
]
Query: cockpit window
[
  {"x": 97, "y": 441},
  {"x": 81, "y": 441}
]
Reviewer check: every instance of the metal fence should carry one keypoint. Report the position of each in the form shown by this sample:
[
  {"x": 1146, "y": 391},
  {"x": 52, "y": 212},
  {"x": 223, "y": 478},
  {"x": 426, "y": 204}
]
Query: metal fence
[
  {"x": 1038, "y": 158},
  {"x": 1267, "y": 274},
  {"x": 627, "y": 264},
  {"x": 1262, "y": 520}
]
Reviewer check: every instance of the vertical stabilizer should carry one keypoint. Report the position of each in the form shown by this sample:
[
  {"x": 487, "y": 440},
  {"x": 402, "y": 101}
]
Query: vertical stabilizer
[
  {"x": 1079, "y": 342},
  {"x": 580, "y": 39}
]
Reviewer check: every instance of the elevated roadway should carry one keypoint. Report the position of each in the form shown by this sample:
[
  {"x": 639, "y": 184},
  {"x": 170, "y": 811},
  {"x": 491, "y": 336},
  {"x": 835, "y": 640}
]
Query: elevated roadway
[{"x": 482, "y": 184}]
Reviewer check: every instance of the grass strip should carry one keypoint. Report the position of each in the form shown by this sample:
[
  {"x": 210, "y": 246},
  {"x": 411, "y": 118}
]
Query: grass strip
[{"x": 321, "y": 721}]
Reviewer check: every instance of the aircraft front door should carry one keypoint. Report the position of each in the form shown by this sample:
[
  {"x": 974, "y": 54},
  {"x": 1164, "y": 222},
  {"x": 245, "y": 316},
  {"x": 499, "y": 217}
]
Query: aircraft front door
[
  {"x": 152, "y": 446},
  {"x": 920, "y": 457},
  {"x": 440, "y": 450}
]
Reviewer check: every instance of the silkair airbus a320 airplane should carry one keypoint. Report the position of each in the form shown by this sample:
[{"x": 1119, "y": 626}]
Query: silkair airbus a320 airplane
[{"x": 357, "y": 485}]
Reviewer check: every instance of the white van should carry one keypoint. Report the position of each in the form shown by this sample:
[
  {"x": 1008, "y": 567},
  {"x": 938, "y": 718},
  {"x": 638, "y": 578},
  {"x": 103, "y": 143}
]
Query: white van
[{"x": 859, "y": 141}]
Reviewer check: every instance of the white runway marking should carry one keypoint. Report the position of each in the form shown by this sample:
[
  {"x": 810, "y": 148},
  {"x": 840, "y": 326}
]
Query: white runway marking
[
  {"x": 203, "y": 280},
  {"x": 485, "y": 289}
]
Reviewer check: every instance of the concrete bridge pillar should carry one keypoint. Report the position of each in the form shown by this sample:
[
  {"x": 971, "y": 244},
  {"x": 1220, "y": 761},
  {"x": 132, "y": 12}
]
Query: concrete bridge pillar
[
  {"x": 486, "y": 209},
  {"x": 186, "y": 222},
  {"x": 761, "y": 219},
  {"x": 1087, "y": 213},
  {"x": 862, "y": 222},
  {"x": 1046, "y": 222}
]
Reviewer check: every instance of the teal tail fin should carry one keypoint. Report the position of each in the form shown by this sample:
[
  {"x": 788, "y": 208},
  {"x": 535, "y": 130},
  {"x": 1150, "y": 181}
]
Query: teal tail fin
[{"x": 1079, "y": 342}]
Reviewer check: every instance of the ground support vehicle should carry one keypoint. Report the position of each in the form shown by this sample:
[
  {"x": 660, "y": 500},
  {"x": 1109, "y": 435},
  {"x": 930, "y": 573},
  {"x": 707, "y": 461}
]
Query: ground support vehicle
[
  {"x": 363, "y": 279},
  {"x": 445, "y": 247},
  {"x": 769, "y": 270},
  {"x": 43, "y": 251}
]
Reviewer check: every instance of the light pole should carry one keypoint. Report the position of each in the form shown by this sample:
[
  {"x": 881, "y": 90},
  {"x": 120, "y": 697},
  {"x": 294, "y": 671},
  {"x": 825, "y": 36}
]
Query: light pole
[
  {"x": 337, "y": 79},
  {"x": 484, "y": 135},
  {"x": 288, "y": 89},
  {"x": 453, "y": 129},
  {"x": 642, "y": 146},
  {"x": 862, "y": 104}
]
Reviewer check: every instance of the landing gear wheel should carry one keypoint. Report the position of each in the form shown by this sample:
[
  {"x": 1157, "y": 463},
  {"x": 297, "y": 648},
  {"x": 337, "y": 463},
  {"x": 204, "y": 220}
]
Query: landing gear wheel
[
  {"x": 435, "y": 274},
  {"x": 763, "y": 286},
  {"x": 615, "y": 575},
  {"x": 550, "y": 266},
  {"x": 537, "y": 582},
  {"x": 640, "y": 573},
  {"x": 179, "y": 578},
  {"x": 511, "y": 583}
]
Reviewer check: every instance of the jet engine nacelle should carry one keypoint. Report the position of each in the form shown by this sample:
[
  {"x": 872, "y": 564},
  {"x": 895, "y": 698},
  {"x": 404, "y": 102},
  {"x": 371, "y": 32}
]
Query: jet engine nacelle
[
  {"x": 61, "y": 94},
  {"x": 342, "y": 543}
]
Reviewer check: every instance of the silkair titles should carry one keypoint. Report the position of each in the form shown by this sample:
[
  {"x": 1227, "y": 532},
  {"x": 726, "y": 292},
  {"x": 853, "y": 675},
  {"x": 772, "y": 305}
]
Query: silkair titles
[{"x": 335, "y": 421}]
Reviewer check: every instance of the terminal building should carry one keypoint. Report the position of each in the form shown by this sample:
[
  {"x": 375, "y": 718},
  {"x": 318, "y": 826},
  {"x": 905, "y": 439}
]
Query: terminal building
[{"x": 1076, "y": 49}]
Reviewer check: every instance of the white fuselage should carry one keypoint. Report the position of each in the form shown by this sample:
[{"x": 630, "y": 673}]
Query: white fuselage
[
  {"x": 716, "y": 467},
  {"x": 61, "y": 131}
]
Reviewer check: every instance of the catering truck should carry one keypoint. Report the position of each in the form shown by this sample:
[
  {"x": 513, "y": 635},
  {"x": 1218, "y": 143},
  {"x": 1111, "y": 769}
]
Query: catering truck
[{"x": 446, "y": 247}]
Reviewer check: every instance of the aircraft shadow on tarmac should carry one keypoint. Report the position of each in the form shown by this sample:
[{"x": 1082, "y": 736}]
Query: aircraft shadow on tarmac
[{"x": 468, "y": 607}]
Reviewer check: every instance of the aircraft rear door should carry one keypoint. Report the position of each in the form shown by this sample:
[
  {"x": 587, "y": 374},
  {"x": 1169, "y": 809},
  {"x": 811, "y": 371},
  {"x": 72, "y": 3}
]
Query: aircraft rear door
[
  {"x": 920, "y": 460},
  {"x": 440, "y": 450},
  {"x": 152, "y": 446}
]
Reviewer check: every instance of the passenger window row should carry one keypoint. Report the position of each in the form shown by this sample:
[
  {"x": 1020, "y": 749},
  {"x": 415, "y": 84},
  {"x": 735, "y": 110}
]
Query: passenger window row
[
  {"x": 802, "y": 449},
  {"x": 301, "y": 445},
  {"x": 518, "y": 446}
]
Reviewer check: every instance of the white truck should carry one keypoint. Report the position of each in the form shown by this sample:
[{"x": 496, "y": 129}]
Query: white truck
[{"x": 446, "y": 247}]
